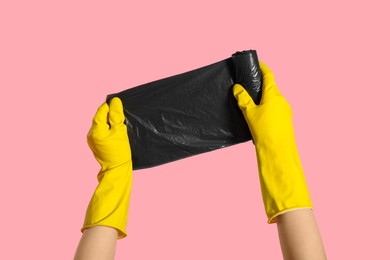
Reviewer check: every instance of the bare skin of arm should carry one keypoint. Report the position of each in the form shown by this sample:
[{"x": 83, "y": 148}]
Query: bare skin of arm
[
  {"x": 97, "y": 243},
  {"x": 299, "y": 236}
]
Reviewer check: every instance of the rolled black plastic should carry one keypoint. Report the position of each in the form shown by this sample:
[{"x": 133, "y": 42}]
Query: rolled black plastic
[
  {"x": 190, "y": 113},
  {"x": 248, "y": 73}
]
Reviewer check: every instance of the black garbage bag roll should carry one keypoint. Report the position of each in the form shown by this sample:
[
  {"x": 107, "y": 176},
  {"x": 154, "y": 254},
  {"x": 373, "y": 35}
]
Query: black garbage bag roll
[{"x": 190, "y": 113}]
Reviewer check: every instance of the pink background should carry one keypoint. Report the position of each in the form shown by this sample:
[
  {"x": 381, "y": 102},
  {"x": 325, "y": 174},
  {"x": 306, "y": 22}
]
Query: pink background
[{"x": 59, "y": 59}]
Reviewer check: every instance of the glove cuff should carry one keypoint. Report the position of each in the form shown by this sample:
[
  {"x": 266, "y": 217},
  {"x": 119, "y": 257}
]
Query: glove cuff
[
  {"x": 110, "y": 202},
  {"x": 282, "y": 180}
]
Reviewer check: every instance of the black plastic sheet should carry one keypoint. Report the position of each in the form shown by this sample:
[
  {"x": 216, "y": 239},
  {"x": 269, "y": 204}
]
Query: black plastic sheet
[{"x": 190, "y": 113}]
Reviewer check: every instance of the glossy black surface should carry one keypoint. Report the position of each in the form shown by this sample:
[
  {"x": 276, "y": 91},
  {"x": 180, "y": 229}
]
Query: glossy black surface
[{"x": 189, "y": 113}]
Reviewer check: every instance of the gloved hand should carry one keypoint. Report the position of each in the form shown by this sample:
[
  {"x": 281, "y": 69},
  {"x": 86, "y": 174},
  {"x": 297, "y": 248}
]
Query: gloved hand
[
  {"x": 282, "y": 180},
  {"x": 109, "y": 143}
]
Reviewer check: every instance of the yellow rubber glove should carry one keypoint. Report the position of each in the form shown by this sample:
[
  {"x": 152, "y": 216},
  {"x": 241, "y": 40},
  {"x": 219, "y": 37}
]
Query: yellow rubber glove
[
  {"x": 282, "y": 180},
  {"x": 109, "y": 143}
]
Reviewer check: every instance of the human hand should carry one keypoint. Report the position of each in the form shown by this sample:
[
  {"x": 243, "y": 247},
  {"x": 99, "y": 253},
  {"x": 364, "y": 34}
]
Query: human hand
[
  {"x": 109, "y": 143},
  {"x": 282, "y": 179},
  {"x": 108, "y": 138},
  {"x": 271, "y": 119}
]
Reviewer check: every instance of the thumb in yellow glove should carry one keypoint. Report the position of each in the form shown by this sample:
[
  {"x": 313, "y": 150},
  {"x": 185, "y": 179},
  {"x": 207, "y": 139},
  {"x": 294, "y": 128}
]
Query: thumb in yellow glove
[
  {"x": 109, "y": 143},
  {"x": 282, "y": 180}
]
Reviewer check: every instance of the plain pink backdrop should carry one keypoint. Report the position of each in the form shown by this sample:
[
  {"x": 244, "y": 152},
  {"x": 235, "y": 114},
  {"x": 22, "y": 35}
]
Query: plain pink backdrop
[{"x": 59, "y": 59}]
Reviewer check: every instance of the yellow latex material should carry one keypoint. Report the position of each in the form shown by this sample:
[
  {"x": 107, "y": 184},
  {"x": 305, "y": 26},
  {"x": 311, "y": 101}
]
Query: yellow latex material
[
  {"x": 282, "y": 180},
  {"x": 109, "y": 143}
]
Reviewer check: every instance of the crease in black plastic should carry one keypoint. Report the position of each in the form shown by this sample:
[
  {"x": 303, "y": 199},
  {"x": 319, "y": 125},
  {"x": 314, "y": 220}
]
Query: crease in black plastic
[{"x": 189, "y": 113}]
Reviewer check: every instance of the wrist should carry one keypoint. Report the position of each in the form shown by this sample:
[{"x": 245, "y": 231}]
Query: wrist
[{"x": 123, "y": 168}]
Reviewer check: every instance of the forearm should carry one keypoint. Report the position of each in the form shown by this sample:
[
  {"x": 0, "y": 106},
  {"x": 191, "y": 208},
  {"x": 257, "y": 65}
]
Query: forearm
[
  {"x": 97, "y": 243},
  {"x": 299, "y": 235}
]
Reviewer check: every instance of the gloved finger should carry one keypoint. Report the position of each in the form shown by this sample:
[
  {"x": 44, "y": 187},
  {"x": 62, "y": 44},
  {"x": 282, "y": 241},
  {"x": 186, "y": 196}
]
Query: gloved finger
[
  {"x": 244, "y": 100},
  {"x": 100, "y": 119},
  {"x": 269, "y": 86},
  {"x": 116, "y": 116}
]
